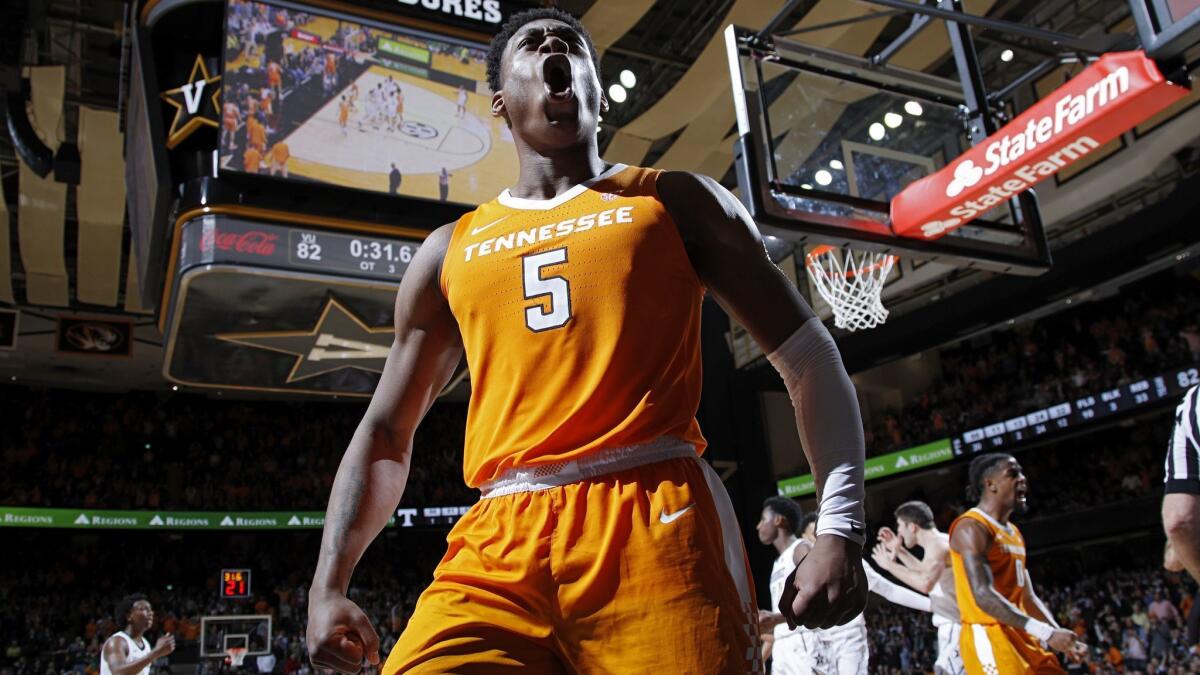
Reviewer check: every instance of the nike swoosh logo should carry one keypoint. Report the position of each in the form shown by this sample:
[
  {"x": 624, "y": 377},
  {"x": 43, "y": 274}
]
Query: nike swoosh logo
[
  {"x": 667, "y": 518},
  {"x": 477, "y": 230}
]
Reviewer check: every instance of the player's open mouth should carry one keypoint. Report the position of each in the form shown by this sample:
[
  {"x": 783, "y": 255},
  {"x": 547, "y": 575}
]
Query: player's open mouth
[{"x": 556, "y": 73}]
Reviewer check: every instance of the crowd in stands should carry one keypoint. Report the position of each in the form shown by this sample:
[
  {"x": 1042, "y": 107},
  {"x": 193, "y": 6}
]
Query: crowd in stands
[
  {"x": 58, "y": 604},
  {"x": 1133, "y": 621},
  {"x": 144, "y": 451},
  {"x": 1150, "y": 327}
]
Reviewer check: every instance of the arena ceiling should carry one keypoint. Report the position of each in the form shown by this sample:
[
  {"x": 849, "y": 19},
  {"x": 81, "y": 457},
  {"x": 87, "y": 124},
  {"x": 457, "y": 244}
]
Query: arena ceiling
[{"x": 679, "y": 115}]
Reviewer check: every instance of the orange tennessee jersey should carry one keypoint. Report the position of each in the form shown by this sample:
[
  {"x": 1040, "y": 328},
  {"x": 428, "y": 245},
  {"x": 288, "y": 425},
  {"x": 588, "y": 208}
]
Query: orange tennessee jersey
[
  {"x": 1006, "y": 558},
  {"x": 580, "y": 317}
]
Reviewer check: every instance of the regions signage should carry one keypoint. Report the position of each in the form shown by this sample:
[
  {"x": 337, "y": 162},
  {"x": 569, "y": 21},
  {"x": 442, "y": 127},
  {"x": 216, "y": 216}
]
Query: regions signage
[
  {"x": 1106, "y": 99},
  {"x": 879, "y": 467},
  {"x": 17, "y": 516}
]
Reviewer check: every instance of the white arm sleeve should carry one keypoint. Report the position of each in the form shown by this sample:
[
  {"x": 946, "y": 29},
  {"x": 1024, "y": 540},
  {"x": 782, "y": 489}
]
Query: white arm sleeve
[
  {"x": 897, "y": 595},
  {"x": 830, "y": 425}
]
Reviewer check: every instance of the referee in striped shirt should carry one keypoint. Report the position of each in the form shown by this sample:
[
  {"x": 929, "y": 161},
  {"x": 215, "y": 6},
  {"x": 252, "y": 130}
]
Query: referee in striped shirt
[{"x": 1181, "y": 499}]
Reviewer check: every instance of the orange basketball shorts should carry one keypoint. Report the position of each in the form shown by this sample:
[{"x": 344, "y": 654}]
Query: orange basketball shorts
[
  {"x": 998, "y": 649},
  {"x": 635, "y": 571}
]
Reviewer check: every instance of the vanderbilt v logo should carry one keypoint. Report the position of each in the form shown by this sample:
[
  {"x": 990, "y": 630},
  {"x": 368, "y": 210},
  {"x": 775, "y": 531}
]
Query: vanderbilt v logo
[
  {"x": 350, "y": 349},
  {"x": 338, "y": 339},
  {"x": 192, "y": 91},
  {"x": 195, "y": 102}
]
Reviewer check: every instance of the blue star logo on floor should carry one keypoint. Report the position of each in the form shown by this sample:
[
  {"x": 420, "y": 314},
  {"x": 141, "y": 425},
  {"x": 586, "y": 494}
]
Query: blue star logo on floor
[{"x": 339, "y": 339}]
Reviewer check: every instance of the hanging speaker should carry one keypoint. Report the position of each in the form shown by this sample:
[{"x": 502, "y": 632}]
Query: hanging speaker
[{"x": 28, "y": 146}]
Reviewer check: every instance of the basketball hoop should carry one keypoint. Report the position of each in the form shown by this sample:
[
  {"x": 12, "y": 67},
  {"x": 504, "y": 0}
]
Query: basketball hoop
[
  {"x": 235, "y": 656},
  {"x": 851, "y": 283}
]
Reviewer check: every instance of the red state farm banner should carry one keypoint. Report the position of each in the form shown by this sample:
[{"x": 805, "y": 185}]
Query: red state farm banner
[{"x": 1106, "y": 99}]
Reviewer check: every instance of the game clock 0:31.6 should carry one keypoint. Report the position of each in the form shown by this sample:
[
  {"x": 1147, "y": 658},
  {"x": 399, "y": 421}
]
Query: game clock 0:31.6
[{"x": 235, "y": 583}]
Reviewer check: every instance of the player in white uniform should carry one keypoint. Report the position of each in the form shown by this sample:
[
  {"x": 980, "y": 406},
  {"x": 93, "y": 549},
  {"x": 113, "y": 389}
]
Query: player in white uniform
[
  {"x": 791, "y": 651},
  {"x": 930, "y": 574},
  {"x": 127, "y": 652},
  {"x": 844, "y": 650}
]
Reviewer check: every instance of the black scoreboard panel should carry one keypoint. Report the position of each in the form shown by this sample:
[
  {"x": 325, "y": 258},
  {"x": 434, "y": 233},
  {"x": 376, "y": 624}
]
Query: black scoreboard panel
[
  {"x": 1072, "y": 414},
  {"x": 267, "y": 307}
]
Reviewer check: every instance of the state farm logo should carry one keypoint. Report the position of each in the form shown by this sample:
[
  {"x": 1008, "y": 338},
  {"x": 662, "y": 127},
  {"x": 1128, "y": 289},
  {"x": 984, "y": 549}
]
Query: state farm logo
[
  {"x": 965, "y": 176},
  {"x": 255, "y": 242},
  {"x": 936, "y": 228}
]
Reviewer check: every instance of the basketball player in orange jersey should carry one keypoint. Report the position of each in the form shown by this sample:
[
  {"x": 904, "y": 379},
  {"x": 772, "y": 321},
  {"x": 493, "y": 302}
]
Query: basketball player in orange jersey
[
  {"x": 343, "y": 114},
  {"x": 602, "y": 542},
  {"x": 275, "y": 77},
  {"x": 1004, "y": 623},
  {"x": 230, "y": 117}
]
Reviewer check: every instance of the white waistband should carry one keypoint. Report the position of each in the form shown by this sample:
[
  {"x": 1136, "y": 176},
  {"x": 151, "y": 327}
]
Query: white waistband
[{"x": 607, "y": 460}]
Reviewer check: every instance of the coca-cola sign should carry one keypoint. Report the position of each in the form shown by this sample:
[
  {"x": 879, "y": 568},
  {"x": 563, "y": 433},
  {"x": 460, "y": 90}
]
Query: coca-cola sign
[{"x": 254, "y": 242}]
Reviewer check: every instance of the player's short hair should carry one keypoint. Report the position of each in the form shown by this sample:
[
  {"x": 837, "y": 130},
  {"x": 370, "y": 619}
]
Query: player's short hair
[
  {"x": 916, "y": 512},
  {"x": 514, "y": 24},
  {"x": 981, "y": 467},
  {"x": 790, "y": 510},
  {"x": 808, "y": 519},
  {"x": 126, "y": 606}
]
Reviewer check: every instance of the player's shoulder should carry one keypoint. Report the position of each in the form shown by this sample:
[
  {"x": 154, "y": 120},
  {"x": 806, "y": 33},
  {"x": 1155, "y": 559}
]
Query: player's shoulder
[{"x": 972, "y": 520}]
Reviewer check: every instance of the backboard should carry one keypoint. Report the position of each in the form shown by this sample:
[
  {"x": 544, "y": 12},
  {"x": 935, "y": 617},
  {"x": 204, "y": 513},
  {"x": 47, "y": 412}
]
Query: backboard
[
  {"x": 219, "y": 634},
  {"x": 826, "y": 139}
]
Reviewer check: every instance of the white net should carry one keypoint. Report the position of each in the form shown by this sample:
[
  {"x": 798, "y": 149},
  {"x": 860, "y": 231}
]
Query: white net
[{"x": 852, "y": 284}]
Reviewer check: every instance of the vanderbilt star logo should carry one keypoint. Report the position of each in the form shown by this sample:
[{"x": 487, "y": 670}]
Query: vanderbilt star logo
[
  {"x": 338, "y": 340},
  {"x": 191, "y": 104}
]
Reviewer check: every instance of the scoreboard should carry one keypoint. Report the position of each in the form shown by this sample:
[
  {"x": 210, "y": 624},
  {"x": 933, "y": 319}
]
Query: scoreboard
[
  {"x": 1066, "y": 415},
  {"x": 235, "y": 584}
]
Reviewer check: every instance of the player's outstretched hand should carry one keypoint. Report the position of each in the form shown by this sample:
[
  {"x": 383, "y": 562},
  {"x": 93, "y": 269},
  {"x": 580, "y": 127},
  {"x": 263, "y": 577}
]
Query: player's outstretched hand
[
  {"x": 882, "y": 555},
  {"x": 828, "y": 588},
  {"x": 340, "y": 636},
  {"x": 1062, "y": 640},
  {"x": 165, "y": 645},
  {"x": 889, "y": 539}
]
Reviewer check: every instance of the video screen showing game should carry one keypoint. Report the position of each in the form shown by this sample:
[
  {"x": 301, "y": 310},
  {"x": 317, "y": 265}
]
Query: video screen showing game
[{"x": 319, "y": 98}]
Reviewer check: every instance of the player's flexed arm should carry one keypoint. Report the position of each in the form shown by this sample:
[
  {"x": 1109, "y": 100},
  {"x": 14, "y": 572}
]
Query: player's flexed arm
[
  {"x": 971, "y": 541},
  {"x": 374, "y": 470},
  {"x": 725, "y": 249}
]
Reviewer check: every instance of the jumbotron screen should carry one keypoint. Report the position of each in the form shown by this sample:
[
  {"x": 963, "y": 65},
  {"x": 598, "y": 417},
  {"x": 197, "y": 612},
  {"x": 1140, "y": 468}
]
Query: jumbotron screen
[{"x": 316, "y": 97}]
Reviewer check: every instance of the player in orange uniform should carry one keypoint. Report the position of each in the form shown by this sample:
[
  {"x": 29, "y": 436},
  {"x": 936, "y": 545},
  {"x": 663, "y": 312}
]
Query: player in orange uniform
[
  {"x": 602, "y": 542},
  {"x": 1003, "y": 620}
]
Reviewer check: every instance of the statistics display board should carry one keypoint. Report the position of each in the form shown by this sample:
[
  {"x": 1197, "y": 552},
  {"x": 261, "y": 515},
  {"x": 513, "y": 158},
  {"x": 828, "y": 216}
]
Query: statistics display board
[
  {"x": 313, "y": 96},
  {"x": 1069, "y": 414}
]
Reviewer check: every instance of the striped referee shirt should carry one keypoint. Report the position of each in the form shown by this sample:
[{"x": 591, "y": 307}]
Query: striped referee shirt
[{"x": 1183, "y": 453}]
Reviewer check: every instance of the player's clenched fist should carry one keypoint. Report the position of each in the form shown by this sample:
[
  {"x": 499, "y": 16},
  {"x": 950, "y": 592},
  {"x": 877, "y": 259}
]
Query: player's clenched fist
[
  {"x": 340, "y": 636},
  {"x": 828, "y": 588}
]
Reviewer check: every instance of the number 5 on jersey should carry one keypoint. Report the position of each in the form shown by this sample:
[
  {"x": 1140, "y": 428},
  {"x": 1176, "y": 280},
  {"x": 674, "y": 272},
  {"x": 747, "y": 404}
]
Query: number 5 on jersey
[{"x": 538, "y": 286}]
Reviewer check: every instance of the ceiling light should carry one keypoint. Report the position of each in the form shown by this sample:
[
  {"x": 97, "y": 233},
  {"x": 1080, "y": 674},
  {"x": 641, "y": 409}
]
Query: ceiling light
[
  {"x": 836, "y": 164},
  {"x": 174, "y": 387},
  {"x": 803, "y": 186},
  {"x": 1006, "y": 55},
  {"x": 893, "y": 120},
  {"x": 913, "y": 108},
  {"x": 876, "y": 131},
  {"x": 616, "y": 93},
  {"x": 628, "y": 78},
  {"x": 823, "y": 177}
]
